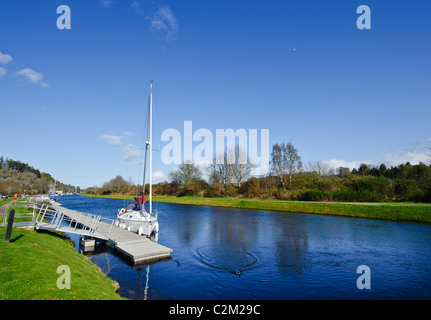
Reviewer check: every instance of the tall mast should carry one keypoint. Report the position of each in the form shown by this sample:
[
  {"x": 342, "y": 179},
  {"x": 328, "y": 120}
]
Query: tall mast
[
  {"x": 151, "y": 149},
  {"x": 147, "y": 143}
]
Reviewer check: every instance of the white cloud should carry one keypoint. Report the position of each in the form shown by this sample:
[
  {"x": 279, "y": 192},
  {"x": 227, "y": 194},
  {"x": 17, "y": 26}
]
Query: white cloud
[
  {"x": 414, "y": 157},
  {"x": 260, "y": 170},
  {"x": 31, "y": 76},
  {"x": 5, "y": 58},
  {"x": 420, "y": 144},
  {"x": 135, "y": 5},
  {"x": 115, "y": 140},
  {"x": 336, "y": 163},
  {"x": 164, "y": 24},
  {"x": 131, "y": 152},
  {"x": 107, "y": 3},
  {"x": 138, "y": 163},
  {"x": 2, "y": 72},
  {"x": 414, "y": 153},
  {"x": 159, "y": 175}
]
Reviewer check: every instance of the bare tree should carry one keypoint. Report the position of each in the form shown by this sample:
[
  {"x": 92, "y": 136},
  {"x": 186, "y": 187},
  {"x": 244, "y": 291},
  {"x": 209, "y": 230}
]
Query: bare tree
[
  {"x": 285, "y": 162},
  {"x": 322, "y": 168},
  {"x": 220, "y": 172},
  {"x": 241, "y": 169},
  {"x": 187, "y": 171}
]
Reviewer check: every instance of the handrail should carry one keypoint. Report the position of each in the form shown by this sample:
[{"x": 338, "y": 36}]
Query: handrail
[
  {"x": 90, "y": 222},
  {"x": 45, "y": 216}
]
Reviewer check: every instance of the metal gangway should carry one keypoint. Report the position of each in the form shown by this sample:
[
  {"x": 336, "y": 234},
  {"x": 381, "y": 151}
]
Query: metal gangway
[
  {"x": 48, "y": 217},
  {"x": 55, "y": 218}
]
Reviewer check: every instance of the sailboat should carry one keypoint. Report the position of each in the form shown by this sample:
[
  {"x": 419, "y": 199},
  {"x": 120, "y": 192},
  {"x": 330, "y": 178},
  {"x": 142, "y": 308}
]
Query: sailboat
[
  {"x": 135, "y": 217},
  {"x": 52, "y": 193}
]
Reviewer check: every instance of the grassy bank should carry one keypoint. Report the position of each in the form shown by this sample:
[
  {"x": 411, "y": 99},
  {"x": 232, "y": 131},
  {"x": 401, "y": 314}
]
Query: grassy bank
[
  {"x": 28, "y": 269},
  {"x": 386, "y": 211}
]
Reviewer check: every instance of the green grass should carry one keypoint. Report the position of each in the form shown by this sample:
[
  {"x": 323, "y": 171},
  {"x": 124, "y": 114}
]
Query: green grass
[
  {"x": 386, "y": 211},
  {"x": 21, "y": 214},
  {"x": 3, "y": 202},
  {"x": 28, "y": 269}
]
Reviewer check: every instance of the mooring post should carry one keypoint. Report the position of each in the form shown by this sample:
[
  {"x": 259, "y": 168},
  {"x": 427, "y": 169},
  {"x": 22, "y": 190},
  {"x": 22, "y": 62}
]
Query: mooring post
[{"x": 9, "y": 225}]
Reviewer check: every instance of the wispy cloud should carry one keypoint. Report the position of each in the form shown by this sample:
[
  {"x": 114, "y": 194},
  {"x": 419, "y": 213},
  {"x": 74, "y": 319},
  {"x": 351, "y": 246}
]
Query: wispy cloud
[
  {"x": 40, "y": 111},
  {"x": 337, "y": 163},
  {"x": 412, "y": 156},
  {"x": 2, "y": 72},
  {"x": 115, "y": 140},
  {"x": 135, "y": 5},
  {"x": 138, "y": 163},
  {"x": 107, "y": 3},
  {"x": 159, "y": 175},
  {"x": 163, "y": 24},
  {"x": 131, "y": 152},
  {"x": 5, "y": 58},
  {"x": 127, "y": 133},
  {"x": 414, "y": 153},
  {"x": 31, "y": 76}
]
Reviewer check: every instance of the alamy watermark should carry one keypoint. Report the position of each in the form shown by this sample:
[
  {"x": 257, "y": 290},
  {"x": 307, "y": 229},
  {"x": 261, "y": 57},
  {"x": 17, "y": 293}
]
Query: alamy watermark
[
  {"x": 364, "y": 280},
  {"x": 64, "y": 20},
  {"x": 201, "y": 147},
  {"x": 63, "y": 281},
  {"x": 364, "y": 20}
]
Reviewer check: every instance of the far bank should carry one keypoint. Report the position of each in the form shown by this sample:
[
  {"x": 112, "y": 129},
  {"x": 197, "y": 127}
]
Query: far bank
[{"x": 386, "y": 211}]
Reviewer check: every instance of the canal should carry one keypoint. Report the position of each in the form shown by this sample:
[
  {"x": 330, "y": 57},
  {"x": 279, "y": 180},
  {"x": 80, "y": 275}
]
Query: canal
[{"x": 231, "y": 254}]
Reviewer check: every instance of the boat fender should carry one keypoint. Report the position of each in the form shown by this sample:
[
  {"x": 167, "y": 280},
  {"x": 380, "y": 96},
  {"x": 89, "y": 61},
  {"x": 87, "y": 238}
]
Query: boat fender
[
  {"x": 141, "y": 231},
  {"x": 156, "y": 227}
]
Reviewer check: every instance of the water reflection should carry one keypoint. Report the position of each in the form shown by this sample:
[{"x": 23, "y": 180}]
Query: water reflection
[
  {"x": 298, "y": 256},
  {"x": 291, "y": 242}
]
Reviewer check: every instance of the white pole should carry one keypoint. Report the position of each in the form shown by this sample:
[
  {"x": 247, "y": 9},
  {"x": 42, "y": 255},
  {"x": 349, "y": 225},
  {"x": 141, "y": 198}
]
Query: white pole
[{"x": 151, "y": 149}]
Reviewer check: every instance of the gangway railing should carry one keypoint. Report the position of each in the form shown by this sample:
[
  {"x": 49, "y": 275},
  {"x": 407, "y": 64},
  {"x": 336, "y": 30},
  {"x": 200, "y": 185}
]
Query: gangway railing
[
  {"x": 69, "y": 221},
  {"x": 47, "y": 217},
  {"x": 20, "y": 218}
]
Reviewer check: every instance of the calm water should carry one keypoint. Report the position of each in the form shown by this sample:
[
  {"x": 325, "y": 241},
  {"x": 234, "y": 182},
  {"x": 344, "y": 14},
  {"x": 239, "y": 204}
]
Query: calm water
[{"x": 252, "y": 254}]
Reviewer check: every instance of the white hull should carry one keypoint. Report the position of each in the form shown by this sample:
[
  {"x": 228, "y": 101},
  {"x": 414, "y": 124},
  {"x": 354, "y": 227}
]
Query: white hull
[{"x": 135, "y": 221}]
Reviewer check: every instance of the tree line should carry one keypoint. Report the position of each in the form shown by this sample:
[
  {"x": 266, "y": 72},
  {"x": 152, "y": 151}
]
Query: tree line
[
  {"x": 288, "y": 179},
  {"x": 19, "y": 177}
]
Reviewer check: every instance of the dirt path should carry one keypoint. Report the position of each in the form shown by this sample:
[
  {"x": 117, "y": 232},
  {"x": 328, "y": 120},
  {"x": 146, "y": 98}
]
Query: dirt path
[{"x": 3, "y": 209}]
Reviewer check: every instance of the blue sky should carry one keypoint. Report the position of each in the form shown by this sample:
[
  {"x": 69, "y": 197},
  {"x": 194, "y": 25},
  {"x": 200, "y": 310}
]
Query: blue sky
[{"x": 72, "y": 101}]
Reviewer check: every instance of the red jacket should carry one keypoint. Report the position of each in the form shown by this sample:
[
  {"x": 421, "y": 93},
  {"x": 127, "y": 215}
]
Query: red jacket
[{"x": 141, "y": 199}]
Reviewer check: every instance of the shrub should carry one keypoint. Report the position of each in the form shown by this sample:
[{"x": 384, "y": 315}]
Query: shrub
[
  {"x": 195, "y": 187},
  {"x": 315, "y": 195},
  {"x": 230, "y": 191},
  {"x": 283, "y": 194},
  {"x": 380, "y": 185},
  {"x": 345, "y": 194},
  {"x": 251, "y": 188}
]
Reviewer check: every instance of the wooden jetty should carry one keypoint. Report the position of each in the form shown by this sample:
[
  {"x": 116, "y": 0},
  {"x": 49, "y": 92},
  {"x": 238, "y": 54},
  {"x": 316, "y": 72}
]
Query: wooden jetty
[{"x": 137, "y": 248}]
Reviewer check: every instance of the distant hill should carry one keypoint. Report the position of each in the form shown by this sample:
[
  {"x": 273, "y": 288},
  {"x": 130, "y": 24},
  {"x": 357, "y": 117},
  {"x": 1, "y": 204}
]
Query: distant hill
[{"x": 20, "y": 177}]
